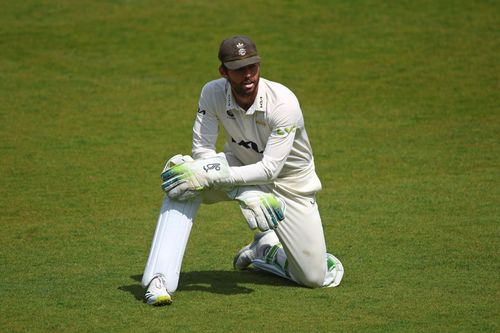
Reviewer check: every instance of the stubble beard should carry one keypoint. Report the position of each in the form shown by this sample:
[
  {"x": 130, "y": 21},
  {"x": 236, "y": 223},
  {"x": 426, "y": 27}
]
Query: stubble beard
[{"x": 240, "y": 90}]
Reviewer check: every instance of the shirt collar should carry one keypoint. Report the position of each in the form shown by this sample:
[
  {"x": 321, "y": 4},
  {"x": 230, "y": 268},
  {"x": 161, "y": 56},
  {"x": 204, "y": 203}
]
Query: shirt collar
[{"x": 258, "y": 105}]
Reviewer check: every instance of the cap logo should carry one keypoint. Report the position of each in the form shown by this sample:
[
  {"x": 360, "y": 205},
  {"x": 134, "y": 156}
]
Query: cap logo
[{"x": 241, "y": 50}]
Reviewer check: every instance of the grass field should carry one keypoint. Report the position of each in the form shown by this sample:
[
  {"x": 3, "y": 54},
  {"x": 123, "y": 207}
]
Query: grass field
[{"x": 401, "y": 102}]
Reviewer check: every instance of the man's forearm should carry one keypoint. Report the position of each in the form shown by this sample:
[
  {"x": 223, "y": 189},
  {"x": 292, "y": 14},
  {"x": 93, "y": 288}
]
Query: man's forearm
[
  {"x": 203, "y": 152},
  {"x": 252, "y": 174}
]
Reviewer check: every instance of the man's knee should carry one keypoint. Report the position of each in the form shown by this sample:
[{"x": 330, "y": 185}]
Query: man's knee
[{"x": 312, "y": 278}]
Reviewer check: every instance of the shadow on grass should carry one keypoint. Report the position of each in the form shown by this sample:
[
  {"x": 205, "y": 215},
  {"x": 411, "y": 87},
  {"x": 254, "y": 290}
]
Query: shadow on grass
[{"x": 217, "y": 282}]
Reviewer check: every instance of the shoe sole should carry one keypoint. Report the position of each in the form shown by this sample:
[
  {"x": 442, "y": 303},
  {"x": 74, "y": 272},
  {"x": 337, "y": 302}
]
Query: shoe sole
[{"x": 160, "y": 301}]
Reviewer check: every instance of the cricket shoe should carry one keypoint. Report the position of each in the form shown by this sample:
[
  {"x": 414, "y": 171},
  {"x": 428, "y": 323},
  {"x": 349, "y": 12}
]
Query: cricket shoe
[
  {"x": 335, "y": 271},
  {"x": 157, "y": 293},
  {"x": 262, "y": 242}
]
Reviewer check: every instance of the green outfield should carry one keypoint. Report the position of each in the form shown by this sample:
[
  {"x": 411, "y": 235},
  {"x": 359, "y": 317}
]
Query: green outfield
[{"x": 401, "y": 102}]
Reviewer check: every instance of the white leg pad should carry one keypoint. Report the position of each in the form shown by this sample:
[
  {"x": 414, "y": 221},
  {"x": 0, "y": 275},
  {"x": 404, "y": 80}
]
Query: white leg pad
[
  {"x": 170, "y": 241},
  {"x": 276, "y": 262},
  {"x": 261, "y": 264}
]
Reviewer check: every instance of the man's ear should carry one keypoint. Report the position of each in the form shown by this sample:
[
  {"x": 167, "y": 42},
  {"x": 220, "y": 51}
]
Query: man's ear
[{"x": 222, "y": 71}]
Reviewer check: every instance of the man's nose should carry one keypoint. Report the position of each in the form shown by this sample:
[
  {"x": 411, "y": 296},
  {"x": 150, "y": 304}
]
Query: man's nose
[{"x": 248, "y": 71}]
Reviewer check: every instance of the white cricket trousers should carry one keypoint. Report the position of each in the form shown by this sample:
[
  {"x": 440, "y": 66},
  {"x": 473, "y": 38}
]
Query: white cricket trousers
[
  {"x": 302, "y": 238},
  {"x": 300, "y": 233}
]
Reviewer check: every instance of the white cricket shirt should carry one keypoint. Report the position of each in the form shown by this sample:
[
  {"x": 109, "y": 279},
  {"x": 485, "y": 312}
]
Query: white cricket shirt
[{"x": 269, "y": 139}]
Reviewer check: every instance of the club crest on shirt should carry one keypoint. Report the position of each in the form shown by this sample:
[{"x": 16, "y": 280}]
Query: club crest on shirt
[{"x": 230, "y": 114}]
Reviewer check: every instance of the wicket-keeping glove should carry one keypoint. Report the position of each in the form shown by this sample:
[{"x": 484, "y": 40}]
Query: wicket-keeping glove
[
  {"x": 183, "y": 177},
  {"x": 261, "y": 210}
]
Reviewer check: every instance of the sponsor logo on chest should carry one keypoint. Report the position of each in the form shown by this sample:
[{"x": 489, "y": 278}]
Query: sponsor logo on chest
[{"x": 248, "y": 145}]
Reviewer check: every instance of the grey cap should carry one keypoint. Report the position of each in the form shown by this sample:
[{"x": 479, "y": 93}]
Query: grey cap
[{"x": 237, "y": 52}]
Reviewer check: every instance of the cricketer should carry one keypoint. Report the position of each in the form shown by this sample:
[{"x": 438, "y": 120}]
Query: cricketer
[{"x": 267, "y": 166}]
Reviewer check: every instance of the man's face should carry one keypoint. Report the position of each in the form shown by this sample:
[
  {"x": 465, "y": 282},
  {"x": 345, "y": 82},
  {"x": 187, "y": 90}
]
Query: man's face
[{"x": 244, "y": 81}]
